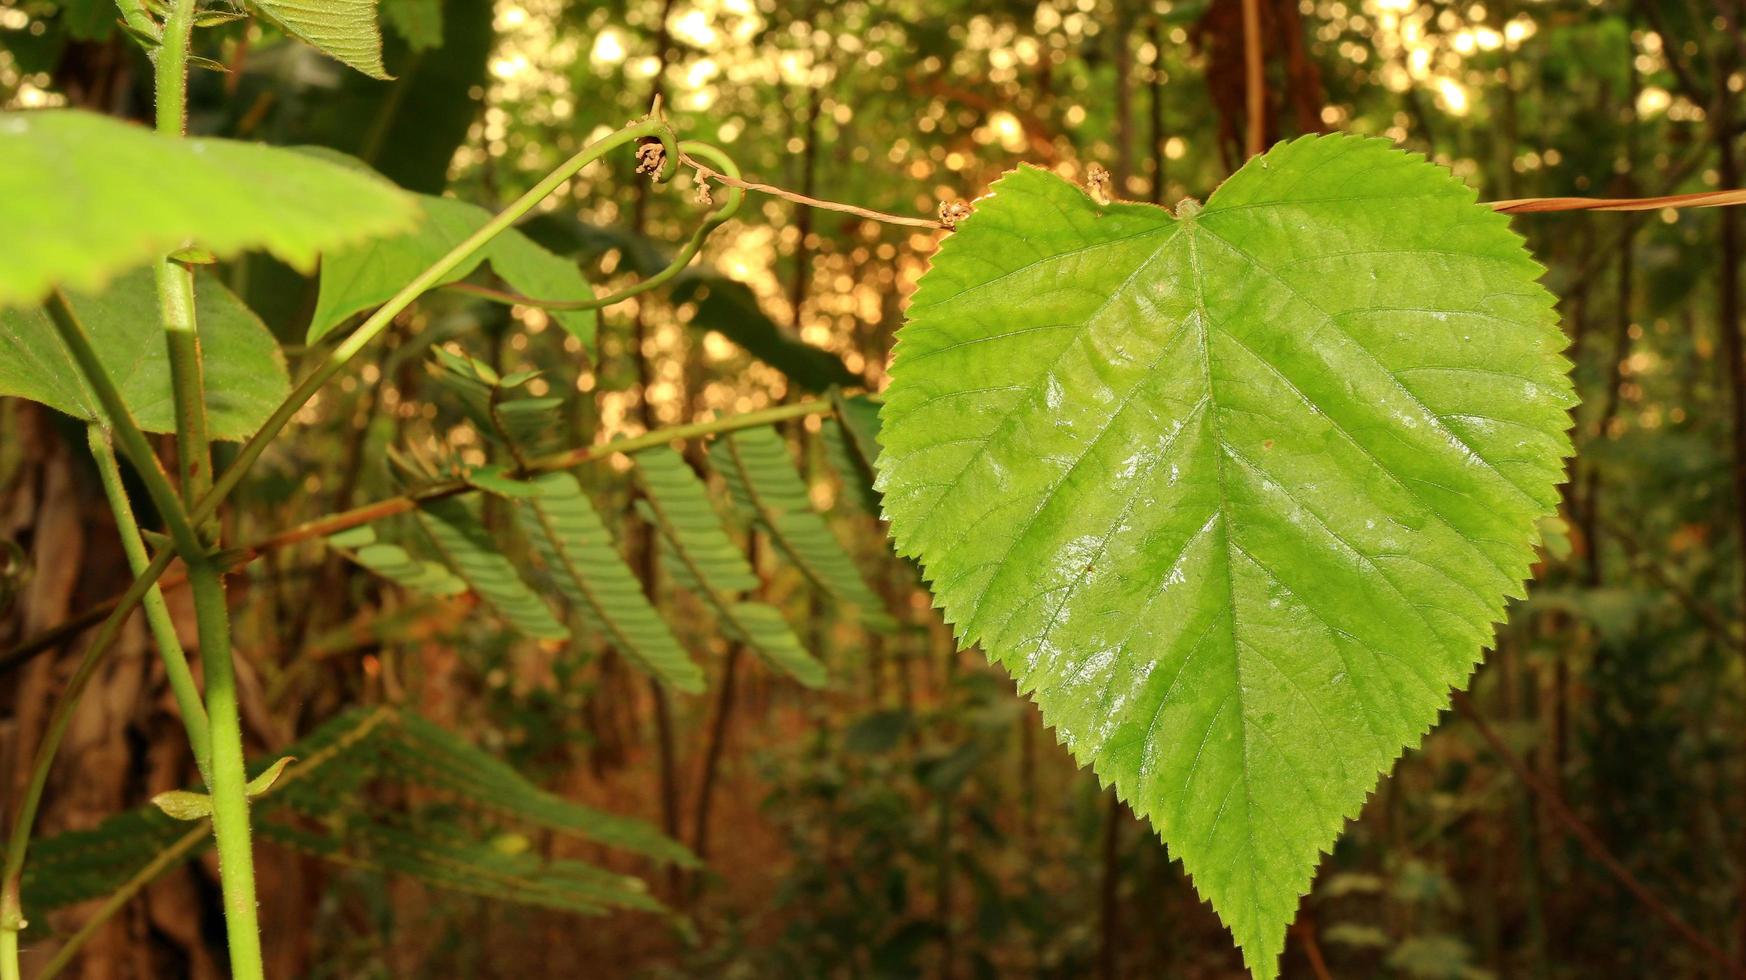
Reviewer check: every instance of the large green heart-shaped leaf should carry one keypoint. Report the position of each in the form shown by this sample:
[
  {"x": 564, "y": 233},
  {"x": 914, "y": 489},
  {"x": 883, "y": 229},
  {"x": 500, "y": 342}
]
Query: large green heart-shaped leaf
[
  {"x": 1238, "y": 495},
  {"x": 242, "y": 368},
  {"x": 83, "y": 197}
]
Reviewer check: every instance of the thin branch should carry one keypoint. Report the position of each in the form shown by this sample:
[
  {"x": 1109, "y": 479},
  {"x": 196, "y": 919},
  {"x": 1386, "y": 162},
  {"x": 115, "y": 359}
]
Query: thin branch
[
  {"x": 321, "y": 527},
  {"x": 1701, "y": 199},
  {"x": 710, "y": 173},
  {"x": 1590, "y": 841},
  {"x": 1254, "y": 79}
]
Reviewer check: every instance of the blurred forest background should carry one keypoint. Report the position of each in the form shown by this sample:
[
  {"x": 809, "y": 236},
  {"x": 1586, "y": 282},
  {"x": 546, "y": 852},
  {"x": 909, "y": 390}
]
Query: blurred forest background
[{"x": 913, "y": 817}]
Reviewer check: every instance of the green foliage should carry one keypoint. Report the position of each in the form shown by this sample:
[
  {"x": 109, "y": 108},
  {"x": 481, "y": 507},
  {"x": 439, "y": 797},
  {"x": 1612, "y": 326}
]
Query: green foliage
[
  {"x": 392, "y": 562},
  {"x": 418, "y": 22},
  {"x": 761, "y": 476},
  {"x": 706, "y": 562},
  {"x": 591, "y": 574},
  {"x": 1238, "y": 496},
  {"x": 244, "y": 371},
  {"x": 343, "y": 29},
  {"x": 468, "y": 546},
  {"x": 331, "y": 804},
  {"x": 84, "y": 202},
  {"x": 358, "y": 278}
]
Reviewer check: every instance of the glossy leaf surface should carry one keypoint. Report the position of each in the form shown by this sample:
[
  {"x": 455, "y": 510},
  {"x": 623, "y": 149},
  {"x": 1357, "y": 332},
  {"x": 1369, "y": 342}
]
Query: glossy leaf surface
[{"x": 1236, "y": 496}]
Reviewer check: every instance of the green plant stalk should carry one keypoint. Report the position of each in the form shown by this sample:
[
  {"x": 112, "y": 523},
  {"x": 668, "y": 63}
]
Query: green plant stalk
[
  {"x": 157, "y": 612},
  {"x": 229, "y": 783},
  {"x": 133, "y": 441},
  {"x": 187, "y": 378},
  {"x": 175, "y": 280},
  {"x": 172, "y": 67}
]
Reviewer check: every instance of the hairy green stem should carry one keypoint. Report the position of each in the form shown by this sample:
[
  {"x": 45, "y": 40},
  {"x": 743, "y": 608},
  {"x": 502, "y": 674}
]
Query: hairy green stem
[
  {"x": 229, "y": 784},
  {"x": 133, "y": 441},
  {"x": 187, "y": 378},
  {"x": 175, "y": 280},
  {"x": 157, "y": 612},
  {"x": 172, "y": 67}
]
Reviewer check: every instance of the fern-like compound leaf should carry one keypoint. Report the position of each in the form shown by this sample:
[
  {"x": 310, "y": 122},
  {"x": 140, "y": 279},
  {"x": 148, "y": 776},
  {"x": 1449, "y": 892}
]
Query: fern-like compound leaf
[
  {"x": 705, "y": 561},
  {"x": 1236, "y": 495},
  {"x": 324, "y": 805},
  {"x": 593, "y": 577},
  {"x": 394, "y": 563},
  {"x": 475, "y": 556},
  {"x": 760, "y": 475}
]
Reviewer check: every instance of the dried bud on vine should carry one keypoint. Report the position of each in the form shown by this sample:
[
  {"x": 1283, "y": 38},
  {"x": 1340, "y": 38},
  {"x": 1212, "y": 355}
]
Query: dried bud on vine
[
  {"x": 952, "y": 212},
  {"x": 1097, "y": 182},
  {"x": 651, "y": 157}
]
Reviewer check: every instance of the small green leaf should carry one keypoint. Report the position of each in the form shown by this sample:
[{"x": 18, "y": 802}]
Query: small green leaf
[
  {"x": 244, "y": 371},
  {"x": 392, "y": 562},
  {"x": 72, "y": 187},
  {"x": 259, "y": 785},
  {"x": 356, "y": 279},
  {"x": 181, "y": 804},
  {"x": 214, "y": 17},
  {"x": 195, "y": 61},
  {"x": 150, "y": 42},
  {"x": 1238, "y": 496},
  {"x": 193, "y": 255},
  {"x": 495, "y": 479},
  {"x": 343, "y": 29}
]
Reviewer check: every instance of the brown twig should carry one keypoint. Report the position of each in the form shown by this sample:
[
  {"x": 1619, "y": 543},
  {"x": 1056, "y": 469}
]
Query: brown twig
[
  {"x": 321, "y": 527},
  {"x": 1702, "y": 199},
  {"x": 709, "y": 173},
  {"x": 1254, "y": 78},
  {"x": 1590, "y": 841}
]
